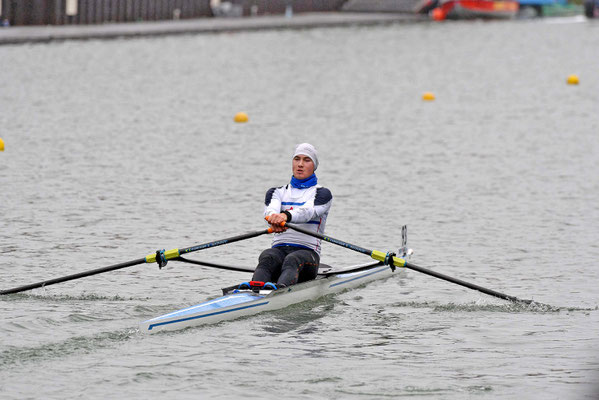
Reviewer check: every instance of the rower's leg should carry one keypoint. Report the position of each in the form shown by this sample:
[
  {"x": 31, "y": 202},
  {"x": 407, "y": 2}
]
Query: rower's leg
[
  {"x": 299, "y": 266},
  {"x": 269, "y": 265}
]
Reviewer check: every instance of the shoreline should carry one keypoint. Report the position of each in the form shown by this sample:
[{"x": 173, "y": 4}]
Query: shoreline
[{"x": 49, "y": 33}]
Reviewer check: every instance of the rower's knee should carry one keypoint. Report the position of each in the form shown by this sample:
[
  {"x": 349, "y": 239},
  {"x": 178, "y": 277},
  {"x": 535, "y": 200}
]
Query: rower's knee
[
  {"x": 270, "y": 256},
  {"x": 304, "y": 264},
  {"x": 269, "y": 265}
]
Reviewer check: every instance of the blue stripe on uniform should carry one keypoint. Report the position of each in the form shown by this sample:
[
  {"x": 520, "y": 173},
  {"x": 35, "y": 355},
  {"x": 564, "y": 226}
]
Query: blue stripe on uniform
[
  {"x": 291, "y": 203},
  {"x": 292, "y": 245}
]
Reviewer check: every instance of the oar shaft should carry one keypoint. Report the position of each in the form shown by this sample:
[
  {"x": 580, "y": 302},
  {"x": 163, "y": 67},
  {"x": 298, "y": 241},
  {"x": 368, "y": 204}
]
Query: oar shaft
[
  {"x": 215, "y": 265},
  {"x": 352, "y": 270},
  {"x": 330, "y": 239},
  {"x": 374, "y": 254},
  {"x": 73, "y": 276},
  {"x": 174, "y": 253},
  {"x": 224, "y": 241},
  {"x": 469, "y": 285},
  {"x": 168, "y": 255},
  {"x": 399, "y": 262}
]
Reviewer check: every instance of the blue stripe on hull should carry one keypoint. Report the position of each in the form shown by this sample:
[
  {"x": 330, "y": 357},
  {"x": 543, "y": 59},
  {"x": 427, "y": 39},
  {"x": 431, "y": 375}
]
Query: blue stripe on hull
[
  {"x": 359, "y": 277},
  {"x": 206, "y": 315}
]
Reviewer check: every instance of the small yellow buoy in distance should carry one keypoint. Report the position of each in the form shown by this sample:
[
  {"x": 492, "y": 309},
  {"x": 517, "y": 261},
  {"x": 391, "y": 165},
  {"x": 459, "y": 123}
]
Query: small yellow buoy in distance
[
  {"x": 1, "y": 144},
  {"x": 572, "y": 80},
  {"x": 428, "y": 96},
  {"x": 241, "y": 117}
]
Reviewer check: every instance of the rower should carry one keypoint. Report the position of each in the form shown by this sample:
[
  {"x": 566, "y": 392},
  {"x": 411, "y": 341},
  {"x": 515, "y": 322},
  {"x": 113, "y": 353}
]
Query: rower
[{"x": 294, "y": 257}]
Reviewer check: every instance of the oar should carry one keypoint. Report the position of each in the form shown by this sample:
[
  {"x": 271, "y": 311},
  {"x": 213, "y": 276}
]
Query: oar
[
  {"x": 161, "y": 257},
  {"x": 215, "y": 265},
  {"x": 387, "y": 258},
  {"x": 363, "y": 267}
]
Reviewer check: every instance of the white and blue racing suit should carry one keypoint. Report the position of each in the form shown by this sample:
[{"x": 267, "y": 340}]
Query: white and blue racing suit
[{"x": 294, "y": 256}]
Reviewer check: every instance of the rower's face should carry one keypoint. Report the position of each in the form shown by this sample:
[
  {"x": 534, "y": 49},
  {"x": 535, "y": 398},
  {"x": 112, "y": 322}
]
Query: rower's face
[{"x": 303, "y": 166}]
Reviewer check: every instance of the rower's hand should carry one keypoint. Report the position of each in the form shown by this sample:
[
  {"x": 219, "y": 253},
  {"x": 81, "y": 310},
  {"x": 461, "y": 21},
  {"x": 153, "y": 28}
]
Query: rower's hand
[{"x": 275, "y": 221}]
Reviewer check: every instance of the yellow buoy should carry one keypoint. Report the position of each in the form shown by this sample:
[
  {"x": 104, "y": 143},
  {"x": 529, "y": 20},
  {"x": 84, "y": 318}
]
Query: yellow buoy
[
  {"x": 428, "y": 96},
  {"x": 1, "y": 144},
  {"x": 572, "y": 80},
  {"x": 241, "y": 117}
]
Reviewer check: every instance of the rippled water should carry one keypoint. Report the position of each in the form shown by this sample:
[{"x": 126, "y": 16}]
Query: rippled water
[{"x": 115, "y": 149}]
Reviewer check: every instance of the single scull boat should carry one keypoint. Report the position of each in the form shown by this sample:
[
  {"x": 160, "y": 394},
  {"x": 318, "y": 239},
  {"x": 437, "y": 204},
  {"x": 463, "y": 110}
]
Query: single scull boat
[
  {"x": 236, "y": 303},
  {"x": 239, "y": 303}
]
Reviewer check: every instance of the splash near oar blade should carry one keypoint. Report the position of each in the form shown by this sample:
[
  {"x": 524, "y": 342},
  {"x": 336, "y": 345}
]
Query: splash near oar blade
[
  {"x": 392, "y": 260},
  {"x": 161, "y": 257}
]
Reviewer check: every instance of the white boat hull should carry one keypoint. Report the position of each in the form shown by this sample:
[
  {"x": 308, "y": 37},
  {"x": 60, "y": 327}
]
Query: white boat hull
[{"x": 245, "y": 303}]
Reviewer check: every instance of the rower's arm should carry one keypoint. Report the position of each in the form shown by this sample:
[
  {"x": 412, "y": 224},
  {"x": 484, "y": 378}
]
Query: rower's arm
[{"x": 272, "y": 202}]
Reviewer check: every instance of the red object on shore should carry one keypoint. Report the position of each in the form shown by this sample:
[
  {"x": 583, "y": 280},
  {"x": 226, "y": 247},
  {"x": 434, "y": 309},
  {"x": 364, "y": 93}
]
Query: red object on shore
[{"x": 440, "y": 10}]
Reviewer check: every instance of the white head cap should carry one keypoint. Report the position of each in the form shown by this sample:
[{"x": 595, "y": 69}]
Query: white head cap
[{"x": 308, "y": 150}]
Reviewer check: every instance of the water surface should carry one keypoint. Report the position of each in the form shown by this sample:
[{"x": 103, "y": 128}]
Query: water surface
[{"x": 115, "y": 149}]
